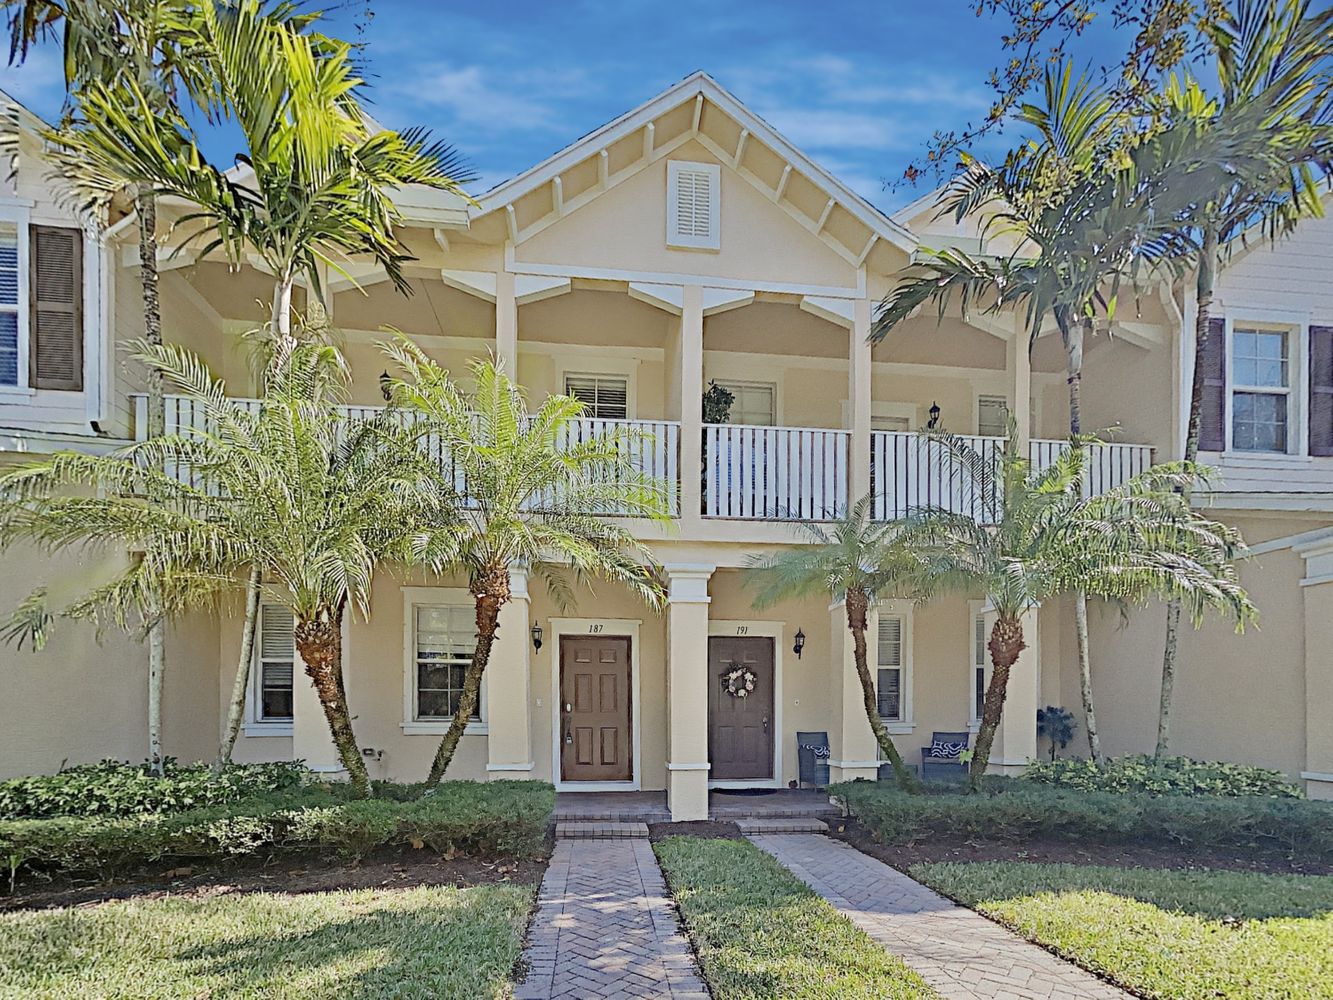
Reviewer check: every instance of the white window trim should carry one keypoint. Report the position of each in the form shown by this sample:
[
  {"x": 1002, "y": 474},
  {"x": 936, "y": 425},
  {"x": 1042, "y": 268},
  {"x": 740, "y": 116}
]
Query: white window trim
[
  {"x": 17, "y": 212},
  {"x": 1297, "y": 326},
  {"x": 253, "y": 724},
  {"x": 414, "y": 597},
  {"x": 628, "y": 370},
  {"x": 674, "y": 239},
  {"x": 904, "y": 610},
  {"x": 976, "y": 609}
]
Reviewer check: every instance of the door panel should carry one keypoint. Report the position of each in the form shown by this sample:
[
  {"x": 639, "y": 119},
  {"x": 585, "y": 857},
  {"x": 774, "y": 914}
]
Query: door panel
[
  {"x": 595, "y": 709},
  {"x": 740, "y": 730}
]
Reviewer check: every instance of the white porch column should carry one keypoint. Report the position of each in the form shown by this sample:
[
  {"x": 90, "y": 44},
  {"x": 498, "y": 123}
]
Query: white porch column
[
  {"x": 1016, "y": 738},
  {"x": 509, "y": 687},
  {"x": 311, "y": 741},
  {"x": 687, "y": 691},
  {"x": 1317, "y": 596},
  {"x": 854, "y": 752},
  {"x": 691, "y": 383},
  {"x": 858, "y": 401},
  {"x": 1018, "y": 367},
  {"x": 506, "y": 322}
]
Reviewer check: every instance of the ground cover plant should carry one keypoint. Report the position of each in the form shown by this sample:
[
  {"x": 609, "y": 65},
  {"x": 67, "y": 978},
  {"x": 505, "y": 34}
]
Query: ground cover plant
[
  {"x": 1173, "y": 935},
  {"x": 760, "y": 932},
  {"x": 1162, "y": 776},
  {"x": 425, "y": 941}
]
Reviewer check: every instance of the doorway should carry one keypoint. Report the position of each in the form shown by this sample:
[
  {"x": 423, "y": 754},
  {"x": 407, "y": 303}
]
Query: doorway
[
  {"x": 741, "y": 702},
  {"x": 595, "y": 708}
]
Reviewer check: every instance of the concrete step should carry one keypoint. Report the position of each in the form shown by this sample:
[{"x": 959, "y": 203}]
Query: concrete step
[
  {"x": 778, "y": 824},
  {"x": 584, "y": 830}
]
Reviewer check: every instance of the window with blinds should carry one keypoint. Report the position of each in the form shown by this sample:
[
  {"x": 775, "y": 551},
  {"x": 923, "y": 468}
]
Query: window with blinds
[
  {"x": 754, "y": 403},
  {"x": 605, "y": 397},
  {"x": 992, "y": 416},
  {"x": 980, "y": 660},
  {"x": 276, "y": 664},
  {"x": 693, "y": 204},
  {"x": 889, "y": 660},
  {"x": 55, "y": 308},
  {"x": 10, "y": 319},
  {"x": 446, "y": 636}
]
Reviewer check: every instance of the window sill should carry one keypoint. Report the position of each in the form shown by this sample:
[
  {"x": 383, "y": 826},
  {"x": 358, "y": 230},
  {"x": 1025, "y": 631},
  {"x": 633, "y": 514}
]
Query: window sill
[
  {"x": 16, "y": 393},
  {"x": 438, "y": 727},
  {"x": 899, "y": 728},
  {"x": 270, "y": 729},
  {"x": 1269, "y": 458}
]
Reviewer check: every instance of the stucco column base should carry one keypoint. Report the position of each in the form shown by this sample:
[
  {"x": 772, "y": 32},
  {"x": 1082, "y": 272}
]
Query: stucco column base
[
  {"x": 854, "y": 751},
  {"x": 687, "y": 691},
  {"x": 311, "y": 741},
  {"x": 509, "y": 688},
  {"x": 837, "y": 773},
  {"x": 1016, "y": 738}
]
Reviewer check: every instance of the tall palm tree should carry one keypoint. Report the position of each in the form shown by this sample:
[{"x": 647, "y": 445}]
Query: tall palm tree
[
  {"x": 287, "y": 483},
  {"x": 1137, "y": 539},
  {"x": 539, "y": 493},
  {"x": 313, "y": 189},
  {"x": 855, "y": 560},
  {"x": 1275, "y": 55}
]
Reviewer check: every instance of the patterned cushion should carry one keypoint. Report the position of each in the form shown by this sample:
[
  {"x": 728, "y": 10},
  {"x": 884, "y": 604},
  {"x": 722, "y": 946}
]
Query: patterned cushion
[{"x": 939, "y": 748}]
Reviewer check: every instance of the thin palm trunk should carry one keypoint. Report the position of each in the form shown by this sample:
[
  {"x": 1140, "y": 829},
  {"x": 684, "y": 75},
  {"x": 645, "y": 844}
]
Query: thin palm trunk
[
  {"x": 1078, "y": 338},
  {"x": 490, "y": 590},
  {"x": 858, "y": 609},
  {"x": 239, "y": 686},
  {"x": 319, "y": 641},
  {"x": 1193, "y": 428},
  {"x": 146, "y": 208},
  {"x": 1005, "y": 645}
]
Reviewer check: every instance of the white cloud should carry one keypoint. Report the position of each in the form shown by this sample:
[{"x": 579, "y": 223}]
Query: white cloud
[
  {"x": 813, "y": 128},
  {"x": 486, "y": 98}
]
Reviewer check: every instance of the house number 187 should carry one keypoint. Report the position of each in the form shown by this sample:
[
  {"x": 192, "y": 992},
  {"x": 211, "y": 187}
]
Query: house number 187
[{"x": 594, "y": 629}]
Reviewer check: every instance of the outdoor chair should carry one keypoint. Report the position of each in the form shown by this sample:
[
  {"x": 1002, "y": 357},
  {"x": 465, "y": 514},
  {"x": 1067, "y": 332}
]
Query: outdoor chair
[
  {"x": 938, "y": 766},
  {"x": 812, "y": 754}
]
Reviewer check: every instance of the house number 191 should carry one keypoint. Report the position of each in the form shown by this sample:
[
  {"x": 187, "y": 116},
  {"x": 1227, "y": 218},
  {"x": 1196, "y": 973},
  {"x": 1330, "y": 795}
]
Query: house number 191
[{"x": 742, "y": 629}]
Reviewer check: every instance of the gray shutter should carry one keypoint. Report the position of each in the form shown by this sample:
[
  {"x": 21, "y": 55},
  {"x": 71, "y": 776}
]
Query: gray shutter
[
  {"x": 1213, "y": 418},
  {"x": 56, "y": 308},
  {"x": 1321, "y": 390}
]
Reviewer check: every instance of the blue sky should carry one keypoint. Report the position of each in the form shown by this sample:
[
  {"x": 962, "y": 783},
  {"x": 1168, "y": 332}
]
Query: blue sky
[{"x": 859, "y": 87}]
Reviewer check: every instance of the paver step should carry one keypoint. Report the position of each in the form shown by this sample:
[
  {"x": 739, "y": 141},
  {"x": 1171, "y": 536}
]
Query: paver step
[
  {"x": 613, "y": 816},
  {"x": 771, "y": 825},
  {"x": 601, "y": 831}
]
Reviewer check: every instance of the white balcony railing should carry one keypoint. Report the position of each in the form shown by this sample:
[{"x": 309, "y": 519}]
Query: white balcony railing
[
  {"x": 774, "y": 473},
  {"x": 908, "y": 471},
  {"x": 653, "y": 447}
]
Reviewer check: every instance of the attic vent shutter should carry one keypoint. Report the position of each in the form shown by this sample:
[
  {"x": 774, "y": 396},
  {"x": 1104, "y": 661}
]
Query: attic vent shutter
[
  {"x": 692, "y": 197},
  {"x": 1321, "y": 390},
  {"x": 56, "y": 308},
  {"x": 1213, "y": 423},
  {"x": 692, "y": 205}
]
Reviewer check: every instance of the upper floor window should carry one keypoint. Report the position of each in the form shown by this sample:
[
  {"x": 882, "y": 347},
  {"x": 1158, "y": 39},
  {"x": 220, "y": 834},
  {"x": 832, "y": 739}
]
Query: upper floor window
[
  {"x": 1261, "y": 390},
  {"x": 694, "y": 197},
  {"x": 274, "y": 665},
  {"x": 992, "y": 416},
  {"x": 605, "y": 397},
  {"x": 11, "y": 319},
  {"x": 752, "y": 403},
  {"x": 446, "y": 636}
]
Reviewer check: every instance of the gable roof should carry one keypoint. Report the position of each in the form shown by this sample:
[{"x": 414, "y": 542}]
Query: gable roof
[{"x": 696, "y": 108}]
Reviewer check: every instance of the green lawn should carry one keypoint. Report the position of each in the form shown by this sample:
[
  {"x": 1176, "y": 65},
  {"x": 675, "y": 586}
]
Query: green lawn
[
  {"x": 1167, "y": 934},
  {"x": 436, "y": 942},
  {"x": 760, "y": 932}
]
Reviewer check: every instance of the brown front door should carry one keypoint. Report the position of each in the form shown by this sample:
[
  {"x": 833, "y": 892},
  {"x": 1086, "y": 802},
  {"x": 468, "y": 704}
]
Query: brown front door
[
  {"x": 740, "y": 730},
  {"x": 595, "y": 709}
]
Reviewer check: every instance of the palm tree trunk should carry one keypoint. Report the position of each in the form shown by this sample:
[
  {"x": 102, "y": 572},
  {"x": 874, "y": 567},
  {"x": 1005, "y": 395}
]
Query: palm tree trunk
[
  {"x": 236, "y": 707},
  {"x": 281, "y": 322},
  {"x": 858, "y": 610},
  {"x": 146, "y": 208},
  {"x": 490, "y": 590},
  {"x": 1006, "y": 642},
  {"x": 1075, "y": 354},
  {"x": 319, "y": 641},
  {"x": 1193, "y": 427}
]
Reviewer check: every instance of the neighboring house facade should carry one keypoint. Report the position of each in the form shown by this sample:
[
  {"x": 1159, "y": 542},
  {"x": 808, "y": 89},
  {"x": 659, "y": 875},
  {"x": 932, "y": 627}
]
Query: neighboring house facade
[{"x": 685, "y": 243}]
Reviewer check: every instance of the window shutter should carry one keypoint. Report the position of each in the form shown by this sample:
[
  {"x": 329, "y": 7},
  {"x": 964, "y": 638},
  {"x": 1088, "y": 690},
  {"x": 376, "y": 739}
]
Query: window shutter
[
  {"x": 56, "y": 308},
  {"x": 1213, "y": 358},
  {"x": 1321, "y": 390}
]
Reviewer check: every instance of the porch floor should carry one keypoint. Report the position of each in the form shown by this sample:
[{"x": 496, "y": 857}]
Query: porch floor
[{"x": 651, "y": 807}]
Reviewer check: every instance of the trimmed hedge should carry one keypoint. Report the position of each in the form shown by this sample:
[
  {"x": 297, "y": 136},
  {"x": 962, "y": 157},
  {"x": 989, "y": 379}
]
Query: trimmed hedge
[
  {"x": 495, "y": 818},
  {"x": 1018, "y": 812},
  {"x": 1167, "y": 776},
  {"x": 112, "y": 788}
]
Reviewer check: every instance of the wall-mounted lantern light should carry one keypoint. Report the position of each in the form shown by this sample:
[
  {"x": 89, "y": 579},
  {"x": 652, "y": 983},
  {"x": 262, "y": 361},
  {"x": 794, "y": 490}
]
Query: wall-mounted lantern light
[
  {"x": 386, "y": 385},
  {"x": 934, "y": 417},
  {"x": 800, "y": 643},
  {"x": 537, "y": 637}
]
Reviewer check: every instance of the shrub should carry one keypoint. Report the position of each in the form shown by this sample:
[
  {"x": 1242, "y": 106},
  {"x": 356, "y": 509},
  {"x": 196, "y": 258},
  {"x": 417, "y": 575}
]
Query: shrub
[
  {"x": 1168, "y": 776},
  {"x": 495, "y": 818},
  {"x": 115, "y": 789},
  {"x": 1022, "y": 811}
]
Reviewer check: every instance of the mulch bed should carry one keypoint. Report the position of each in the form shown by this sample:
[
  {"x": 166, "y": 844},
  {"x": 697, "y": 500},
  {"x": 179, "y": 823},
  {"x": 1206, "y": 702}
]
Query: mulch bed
[
  {"x": 1058, "y": 852},
  {"x": 698, "y": 828},
  {"x": 290, "y": 875}
]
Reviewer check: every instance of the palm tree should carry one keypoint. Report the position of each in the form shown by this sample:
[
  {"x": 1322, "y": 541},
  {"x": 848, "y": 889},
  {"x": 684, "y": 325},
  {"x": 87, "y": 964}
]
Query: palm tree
[
  {"x": 1275, "y": 56},
  {"x": 1137, "y": 539},
  {"x": 287, "y": 483},
  {"x": 858, "y": 561},
  {"x": 314, "y": 188},
  {"x": 539, "y": 493}
]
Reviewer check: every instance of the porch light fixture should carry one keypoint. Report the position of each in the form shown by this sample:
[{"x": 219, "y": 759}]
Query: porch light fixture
[
  {"x": 537, "y": 638},
  {"x": 386, "y": 385},
  {"x": 934, "y": 417},
  {"x": 800, "y": 643}
]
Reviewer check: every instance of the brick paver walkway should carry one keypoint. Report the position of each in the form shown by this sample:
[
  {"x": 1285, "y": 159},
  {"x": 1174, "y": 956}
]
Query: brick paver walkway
[
  {"x": 958, "y": 952},
  {"x": 604, "y": 928}
]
